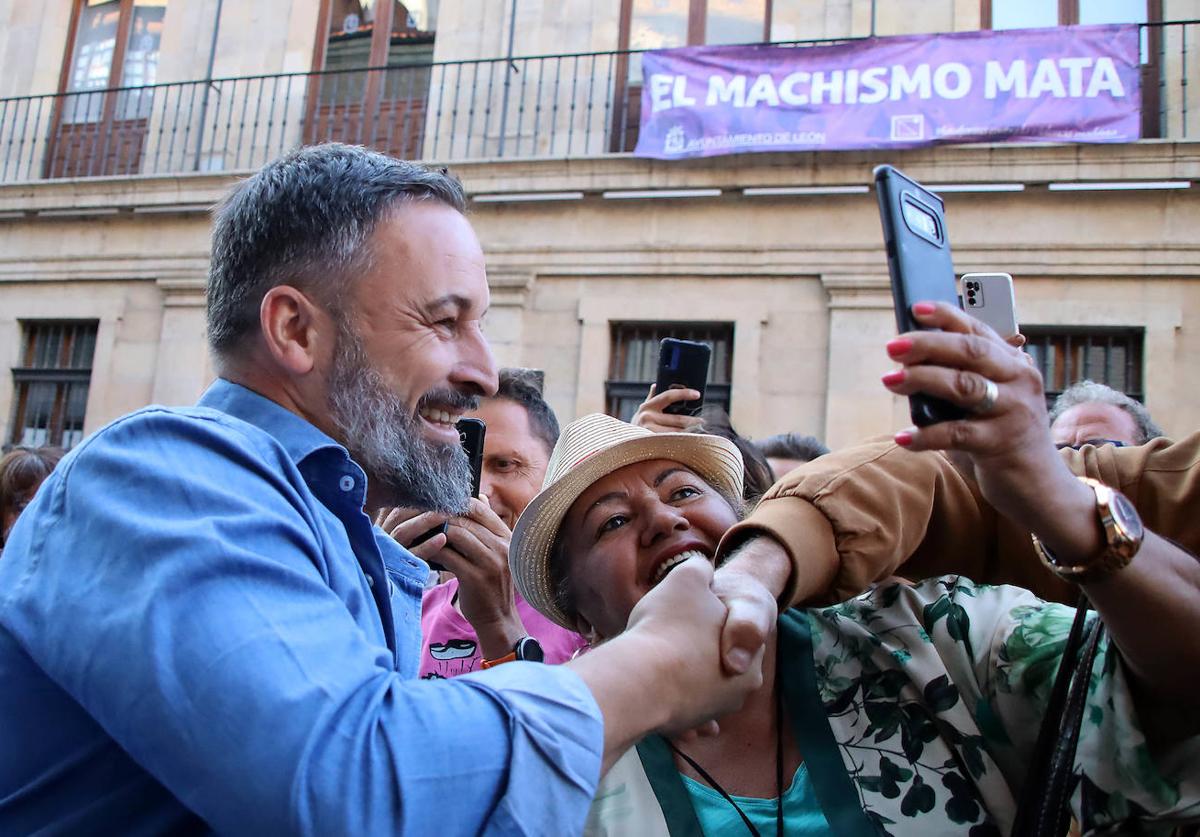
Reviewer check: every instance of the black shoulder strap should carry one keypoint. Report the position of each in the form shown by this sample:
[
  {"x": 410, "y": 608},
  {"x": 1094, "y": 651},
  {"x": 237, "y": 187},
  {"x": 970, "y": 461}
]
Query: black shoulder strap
[{"x": 1045, "y": 806}]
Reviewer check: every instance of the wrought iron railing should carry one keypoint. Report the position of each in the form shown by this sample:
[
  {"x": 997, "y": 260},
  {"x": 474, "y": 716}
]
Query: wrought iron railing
[{"x": 541, "y": 106}]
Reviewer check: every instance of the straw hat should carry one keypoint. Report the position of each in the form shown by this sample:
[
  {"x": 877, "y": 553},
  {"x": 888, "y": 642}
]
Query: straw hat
[{"x": 588, "y": 449}]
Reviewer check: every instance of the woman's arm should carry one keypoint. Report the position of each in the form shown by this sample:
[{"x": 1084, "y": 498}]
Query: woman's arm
[{"x": 1152, "y": 606}]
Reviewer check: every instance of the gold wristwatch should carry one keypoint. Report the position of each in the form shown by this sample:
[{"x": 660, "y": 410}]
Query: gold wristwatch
[{"x": 1123, "y": 533}]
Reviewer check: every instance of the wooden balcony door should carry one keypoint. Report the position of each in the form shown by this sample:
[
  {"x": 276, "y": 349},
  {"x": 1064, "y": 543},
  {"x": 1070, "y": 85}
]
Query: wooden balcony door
[
  {"x": 380, "y": 108},
  {"x": 96, "y": 129}
]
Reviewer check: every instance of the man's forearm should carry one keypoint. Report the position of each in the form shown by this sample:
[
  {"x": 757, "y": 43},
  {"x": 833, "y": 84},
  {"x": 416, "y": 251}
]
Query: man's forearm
[{"x": 617, "y": 673}]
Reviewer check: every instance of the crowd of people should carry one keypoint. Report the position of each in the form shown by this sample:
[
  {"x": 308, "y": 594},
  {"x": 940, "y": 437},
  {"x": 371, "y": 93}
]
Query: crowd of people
[{"x": 654, "y": 627}]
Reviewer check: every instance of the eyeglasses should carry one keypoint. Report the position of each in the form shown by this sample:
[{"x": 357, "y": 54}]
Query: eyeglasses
[{"x": 1093, "y": 442}]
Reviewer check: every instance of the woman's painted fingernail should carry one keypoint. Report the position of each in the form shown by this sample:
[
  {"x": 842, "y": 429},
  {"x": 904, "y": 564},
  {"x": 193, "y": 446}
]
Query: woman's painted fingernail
[
  {"x": 924, "y": 309},
  {"x": 904, "y": 438},
  {"x": 892, "y": 378},
  {"x": 899, "y": 346}
]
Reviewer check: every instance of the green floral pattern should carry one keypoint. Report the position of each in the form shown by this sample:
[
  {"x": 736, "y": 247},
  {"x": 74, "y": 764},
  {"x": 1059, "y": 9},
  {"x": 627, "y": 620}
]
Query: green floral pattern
[{"x": 935, "y": 692}]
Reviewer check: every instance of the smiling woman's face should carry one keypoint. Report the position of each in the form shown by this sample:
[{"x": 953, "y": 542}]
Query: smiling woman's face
[{"x": 629, "y": 528}]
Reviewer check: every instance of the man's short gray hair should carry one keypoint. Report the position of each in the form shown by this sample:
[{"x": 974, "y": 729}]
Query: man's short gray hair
[
  {"x": 1088, "y": 392},
  {"x": 305, "y": 220}
]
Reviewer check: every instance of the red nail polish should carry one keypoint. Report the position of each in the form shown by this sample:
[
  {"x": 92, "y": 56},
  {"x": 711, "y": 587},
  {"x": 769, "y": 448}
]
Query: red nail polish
[
  {"x": 924, "y": 308},
  {"x": 903, "y": 438},
  {"x": 893, "y": 378},
  {"x": 899, "y": 346}
]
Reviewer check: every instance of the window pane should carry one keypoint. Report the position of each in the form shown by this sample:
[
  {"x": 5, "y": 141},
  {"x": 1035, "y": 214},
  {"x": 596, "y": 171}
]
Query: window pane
[
  {"x": 806, "y": 20},
  {"x": 95, "y": 40},
  {"x": 1024, "y": 14},
  {"x": 413, "y": 18},
  {"x": 655, "y": 24},
  {"x": 50, "y": 388},
  {"x": 141, "y": 58},
  {"x": 735, "y": 21},
  {"x": 1112, "y": 11}
]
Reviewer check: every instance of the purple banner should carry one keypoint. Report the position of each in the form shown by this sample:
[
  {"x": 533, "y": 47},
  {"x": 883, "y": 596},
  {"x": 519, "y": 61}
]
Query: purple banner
[{"x": 1070, "y": 84}]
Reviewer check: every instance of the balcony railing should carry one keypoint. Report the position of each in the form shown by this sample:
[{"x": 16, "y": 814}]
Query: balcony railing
[{"x": 543, "y": 106}]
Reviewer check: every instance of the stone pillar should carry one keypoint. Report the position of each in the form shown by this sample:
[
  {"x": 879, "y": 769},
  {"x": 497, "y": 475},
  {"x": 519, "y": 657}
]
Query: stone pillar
[
  {"x": 861, "y": 321},
  {"x": 183, "y": 368}
]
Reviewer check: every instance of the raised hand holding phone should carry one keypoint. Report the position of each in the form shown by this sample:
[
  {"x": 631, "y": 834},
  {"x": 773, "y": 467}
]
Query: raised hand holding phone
[{"x": 920, "y": 266}]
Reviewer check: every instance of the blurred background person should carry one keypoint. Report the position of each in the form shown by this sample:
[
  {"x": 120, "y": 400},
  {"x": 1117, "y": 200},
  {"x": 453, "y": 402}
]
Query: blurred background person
[
  {"x": 787, "y": 451},
  {"x": 22, "y": 470},
  {"x": 1092, "y": 412},
  {"x": 473, "y": 615}
]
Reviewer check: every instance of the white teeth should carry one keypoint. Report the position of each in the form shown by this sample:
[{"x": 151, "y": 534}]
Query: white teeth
[
  {"x": 671, "y": 563},
  {"x": 439, "y": 416}
]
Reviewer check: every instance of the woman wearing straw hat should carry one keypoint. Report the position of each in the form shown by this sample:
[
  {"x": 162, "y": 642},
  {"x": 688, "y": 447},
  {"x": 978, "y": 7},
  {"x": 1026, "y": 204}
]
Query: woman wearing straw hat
[{"x": 913, "y": 708}]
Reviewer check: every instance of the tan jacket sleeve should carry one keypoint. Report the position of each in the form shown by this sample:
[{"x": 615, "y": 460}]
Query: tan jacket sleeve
[{"x": 859, "y": 515}]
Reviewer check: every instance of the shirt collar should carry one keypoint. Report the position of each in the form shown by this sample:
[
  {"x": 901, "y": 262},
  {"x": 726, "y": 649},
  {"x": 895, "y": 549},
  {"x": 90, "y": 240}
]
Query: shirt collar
[{"x": 299, "y": 437}]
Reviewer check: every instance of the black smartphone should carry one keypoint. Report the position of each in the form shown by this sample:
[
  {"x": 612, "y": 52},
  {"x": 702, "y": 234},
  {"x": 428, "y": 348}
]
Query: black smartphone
[
  {"x": 683, "y": 364},
  {"x": 918, "y": 254},
  {"x": 470, "y": 434}
]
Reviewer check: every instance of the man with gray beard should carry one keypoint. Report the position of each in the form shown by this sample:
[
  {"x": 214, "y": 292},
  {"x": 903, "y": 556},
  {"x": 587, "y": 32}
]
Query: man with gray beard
[{"x": 201, "y": 630}]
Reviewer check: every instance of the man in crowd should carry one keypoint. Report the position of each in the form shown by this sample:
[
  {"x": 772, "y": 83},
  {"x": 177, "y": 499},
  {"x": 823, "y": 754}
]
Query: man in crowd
[
  {"x": 1092, "y": 412},
  {"x": 476, "y": 616},
  {"x": 785, "y": 452},
  {"x": 196, "y": 628}
]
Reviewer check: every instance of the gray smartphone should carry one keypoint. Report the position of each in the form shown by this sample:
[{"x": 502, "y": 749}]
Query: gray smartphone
[
  {"x": 989, "y": 298},
  {"x": 920, "y": 266}
]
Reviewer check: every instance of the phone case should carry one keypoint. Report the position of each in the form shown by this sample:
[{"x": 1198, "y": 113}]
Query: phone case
[
  {"x": 989, "y": 298},
  {"x": 683, "y": 363},
  {"x": 470, "y": 433},
  {"x": 920, "y": 265}
]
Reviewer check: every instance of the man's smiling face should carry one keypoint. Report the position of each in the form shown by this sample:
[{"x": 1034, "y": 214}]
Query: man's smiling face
[{"x": 411, "y": 357}]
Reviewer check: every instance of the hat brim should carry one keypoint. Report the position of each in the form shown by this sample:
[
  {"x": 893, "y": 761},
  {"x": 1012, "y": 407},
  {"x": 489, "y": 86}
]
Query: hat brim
[{"x": 713, "y": 458}]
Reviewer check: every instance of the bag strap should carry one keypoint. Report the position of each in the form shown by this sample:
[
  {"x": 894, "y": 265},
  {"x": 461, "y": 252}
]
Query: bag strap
[{"x": 1044, "y": 809}]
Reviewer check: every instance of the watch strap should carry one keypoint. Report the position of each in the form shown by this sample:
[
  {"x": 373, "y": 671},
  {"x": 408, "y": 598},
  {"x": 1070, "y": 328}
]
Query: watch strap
[{"x": 1118, "y": 550}]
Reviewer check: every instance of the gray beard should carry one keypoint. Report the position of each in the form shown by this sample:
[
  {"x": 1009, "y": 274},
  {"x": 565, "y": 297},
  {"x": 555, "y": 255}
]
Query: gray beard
[{"x": 376, "y": 427}]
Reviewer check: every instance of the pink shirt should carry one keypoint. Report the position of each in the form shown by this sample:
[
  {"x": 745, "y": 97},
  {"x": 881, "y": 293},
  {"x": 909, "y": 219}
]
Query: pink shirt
[{"x": 448, "y": 642}]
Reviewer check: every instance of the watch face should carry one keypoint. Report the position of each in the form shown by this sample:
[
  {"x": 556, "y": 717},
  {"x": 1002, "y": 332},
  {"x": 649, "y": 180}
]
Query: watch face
[
  {"x": 530, "y": 650},
  {"x": 1126, "y": 516}
]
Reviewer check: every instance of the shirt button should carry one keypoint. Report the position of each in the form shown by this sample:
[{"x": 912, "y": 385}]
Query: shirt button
[
  {"x": 370, "y": 581},
  {"x": 347, "y": 483}
]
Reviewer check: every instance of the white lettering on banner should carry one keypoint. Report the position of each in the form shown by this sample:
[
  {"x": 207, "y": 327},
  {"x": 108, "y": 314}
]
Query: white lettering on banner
[
  {"x": 904, "y": 84},
  {"x": 1047, "y": 80},
  {"x": 1062, "y": 78},
  {"x": 679, "y": 97},
  {"x": 833, "y": 87},
  {"x": 660, "y": 90},
  {"x": 996, "y": 81},
  {"x": 763, "y": 91},
  {"x": 941, "y": 80},
  {"x": 731, "y": 92},
  {"x": 872, "y": 81},
  {"x": 787, "y": 89},
  {"x": 1075, "y": 68},
  {"x": 1106, "y": 79}
]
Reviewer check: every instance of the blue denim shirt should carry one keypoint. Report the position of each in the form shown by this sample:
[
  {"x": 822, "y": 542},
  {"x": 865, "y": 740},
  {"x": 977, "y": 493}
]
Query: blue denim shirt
[{"x": 201, "y": 630}]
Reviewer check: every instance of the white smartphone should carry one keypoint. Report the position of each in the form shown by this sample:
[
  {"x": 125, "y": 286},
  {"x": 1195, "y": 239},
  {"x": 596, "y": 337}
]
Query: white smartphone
[{"x": 989, "y": 298}]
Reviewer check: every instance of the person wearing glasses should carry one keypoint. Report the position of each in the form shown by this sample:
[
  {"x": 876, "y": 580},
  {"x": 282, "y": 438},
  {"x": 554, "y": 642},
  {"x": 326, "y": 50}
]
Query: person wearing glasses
[{"x": 1091, "y": 413}]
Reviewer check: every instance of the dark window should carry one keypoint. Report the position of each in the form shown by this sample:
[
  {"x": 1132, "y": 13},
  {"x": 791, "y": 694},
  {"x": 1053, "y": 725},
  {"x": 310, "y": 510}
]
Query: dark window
[
  {"x": 633, "y": 363},
  {"x": 1067, "y": 355},
  {"x": 50, "y": 386}
]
